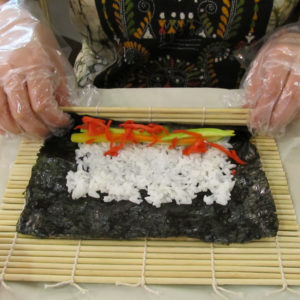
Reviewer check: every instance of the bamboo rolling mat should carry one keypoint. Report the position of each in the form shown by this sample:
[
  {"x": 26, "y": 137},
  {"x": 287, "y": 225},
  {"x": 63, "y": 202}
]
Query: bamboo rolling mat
[
  {"x": 270, "y": 261},
  {"x": 208, "y": 116}
]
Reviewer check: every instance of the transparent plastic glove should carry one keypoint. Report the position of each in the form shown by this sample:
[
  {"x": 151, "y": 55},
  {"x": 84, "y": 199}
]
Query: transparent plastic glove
[
  {"x": 32, "y": 75},
  {"x": 272, "y": 84}
]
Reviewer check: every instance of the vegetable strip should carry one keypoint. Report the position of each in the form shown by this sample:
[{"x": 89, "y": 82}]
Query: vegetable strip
[{"x": 97, "y": 130}]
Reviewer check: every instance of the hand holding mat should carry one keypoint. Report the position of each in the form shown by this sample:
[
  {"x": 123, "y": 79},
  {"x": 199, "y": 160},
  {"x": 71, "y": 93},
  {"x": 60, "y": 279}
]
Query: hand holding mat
[{"x": 33, "y": 80}]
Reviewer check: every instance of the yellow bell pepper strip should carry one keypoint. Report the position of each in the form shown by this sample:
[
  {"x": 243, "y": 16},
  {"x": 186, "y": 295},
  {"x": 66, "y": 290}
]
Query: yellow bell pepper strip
[
  {"x": 84, "y": 137},
  {"x": 213, "y": 133}
]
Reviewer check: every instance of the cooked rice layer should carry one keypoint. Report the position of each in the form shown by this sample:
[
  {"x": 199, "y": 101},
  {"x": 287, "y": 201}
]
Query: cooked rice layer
[{"x": 166, "y": 175}]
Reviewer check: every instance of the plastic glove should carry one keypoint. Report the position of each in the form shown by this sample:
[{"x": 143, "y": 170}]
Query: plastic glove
[
  {"x": 272, "y": 84},
  {"x": 32, "y": 77}
]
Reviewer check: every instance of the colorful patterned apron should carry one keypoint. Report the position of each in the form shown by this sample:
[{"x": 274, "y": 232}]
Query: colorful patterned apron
[{"x": 179, "y": 43}]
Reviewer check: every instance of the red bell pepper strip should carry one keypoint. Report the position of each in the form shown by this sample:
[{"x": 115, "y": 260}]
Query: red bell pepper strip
[
  {"x": 151, "y": 128},
  {"x": 107, "y": 132},
  {"x": 174, "y": 143},
  {"x": 199, "y": 146},
  {"x": 231, "y": 153},
  {"x": 83, "y": 126}
]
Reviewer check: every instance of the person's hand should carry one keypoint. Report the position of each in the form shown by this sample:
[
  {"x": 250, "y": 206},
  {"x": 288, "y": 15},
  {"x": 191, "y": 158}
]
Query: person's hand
[
  {"x": 272, "y": 84},
  {"x": 32, "y": 77}
]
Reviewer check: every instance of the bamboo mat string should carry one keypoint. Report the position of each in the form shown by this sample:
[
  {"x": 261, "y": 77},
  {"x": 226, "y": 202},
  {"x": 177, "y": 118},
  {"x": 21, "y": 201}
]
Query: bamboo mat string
[
  {"x": 142, "y": 282},
  {"x": 284, "y": 282},
  {"x": 71, "y": 281},
  {"x": 203, "y": 115},
  {"x": 217, "y": 289},
  {"x": 97, "y": 111},
  {"x": 12, "y": 246}
]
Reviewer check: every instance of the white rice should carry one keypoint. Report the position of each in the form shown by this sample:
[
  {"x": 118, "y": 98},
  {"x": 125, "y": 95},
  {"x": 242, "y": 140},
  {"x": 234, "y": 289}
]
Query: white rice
[{"x": 165, "y": 174}]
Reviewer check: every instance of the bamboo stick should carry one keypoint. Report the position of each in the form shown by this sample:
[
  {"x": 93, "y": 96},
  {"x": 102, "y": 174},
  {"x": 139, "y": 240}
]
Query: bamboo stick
[
  {"x": 288, "y": 233},
  {"x": 12, "y": 206},
  {"x": 265, "y": 147},
  {"x": 149, "y": 280},
  {"x": 135, "y": 252},
  {"x": 237, "y": 254},
  {"x": 27, "y": 161},
  {"x": 115, "y": 262},
  {"x": 291, "y": 266},
  {"x": 189, "y": 121},
  {"x": 8, "y": 222},
  {"x": 272, "y": 164},
  {"x": 9, "y": 217},
  {"x": 203, "y": 273},
  {"x": 95, "y": 246},
  {"x": 12, "y": 185},
  {"x": 269, "y": 152},
  {"x": 97, "y": 279},
  {"x": 20, "y": 176},
  {"x": 13, "y": 200},
  {"x": 291, "y": 242},
  {"x": 152, "y": 264},
  {"x": 199, "y": 116},
  {"x": 13, "y": 266},
  {"x": 265, "y": 143},
  {"x": 262, "y": 149},
  {"x": 285, "y": 209},
  {"x": 189, "y": 272},
  {"x": 271, "y": 161},
  {"x": 20, "y": 169},
  {"x": 206, "y": 273},
  {"x": 270, "y": 169},
  {"x": 93, "y": 250},
  {"x": 168, "y": 242},
  {"x": 288, "y": 227},
  {"x": 168, "y": 110},
  {"x": 285, "y": 197},
  {"x": 171, "y": 256},
  {"x": 8, "y": 212},
  {"x": 288, "y": 217},
  {"x": 275, "y": 174},
  {"x": 279, "y": 189},
  {"x": 7, "y": 228}
]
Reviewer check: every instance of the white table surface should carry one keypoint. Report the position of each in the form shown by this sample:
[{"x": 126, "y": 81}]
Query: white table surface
[{"x": 289, "y": 146}]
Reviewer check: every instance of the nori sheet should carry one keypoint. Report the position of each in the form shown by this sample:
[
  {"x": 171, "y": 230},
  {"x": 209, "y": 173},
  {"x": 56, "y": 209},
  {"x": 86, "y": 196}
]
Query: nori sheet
[{"x": 51, "y": 212}]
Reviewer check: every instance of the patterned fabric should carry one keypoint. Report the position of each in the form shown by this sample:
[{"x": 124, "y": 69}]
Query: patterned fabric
[
  {"x": 154, "y": 43},
  {"x": 280, "y": 12}
]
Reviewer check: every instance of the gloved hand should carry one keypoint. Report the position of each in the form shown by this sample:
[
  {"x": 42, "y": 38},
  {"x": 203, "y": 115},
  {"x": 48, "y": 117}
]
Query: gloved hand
[
  {"x": 32, "y": 76},
  {"x": 272, "y": 84}
]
